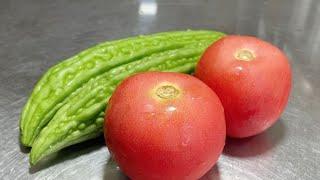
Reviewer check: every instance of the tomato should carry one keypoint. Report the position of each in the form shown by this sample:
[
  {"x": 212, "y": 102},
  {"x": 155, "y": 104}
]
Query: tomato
[
  {"x": 252, "y": 79},
  {"x": 164, "y": 126}
]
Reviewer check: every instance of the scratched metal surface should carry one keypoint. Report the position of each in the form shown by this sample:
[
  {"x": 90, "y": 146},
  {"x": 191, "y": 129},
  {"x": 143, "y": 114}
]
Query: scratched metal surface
[{"x": 35, "y": 35}]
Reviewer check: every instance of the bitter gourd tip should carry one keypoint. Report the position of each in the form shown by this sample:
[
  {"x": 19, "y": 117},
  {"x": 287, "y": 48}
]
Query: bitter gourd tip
[
  {"x": 25, "y": 142},
  {"x": 32, "y": 160}
]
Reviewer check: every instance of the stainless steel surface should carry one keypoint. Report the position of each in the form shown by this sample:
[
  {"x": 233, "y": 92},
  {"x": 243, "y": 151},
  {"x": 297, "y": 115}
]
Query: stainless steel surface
[{"x": 35, "y": 35}]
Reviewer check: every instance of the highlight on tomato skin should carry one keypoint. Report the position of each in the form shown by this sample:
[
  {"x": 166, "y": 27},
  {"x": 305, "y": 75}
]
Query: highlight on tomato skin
[
  {"x": 252, "y": 79},
  {"x": 164, "y": 126}
]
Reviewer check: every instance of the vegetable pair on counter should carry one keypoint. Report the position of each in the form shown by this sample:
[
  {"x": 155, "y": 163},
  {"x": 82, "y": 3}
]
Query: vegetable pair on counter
[{"x": 159, "y": 124}]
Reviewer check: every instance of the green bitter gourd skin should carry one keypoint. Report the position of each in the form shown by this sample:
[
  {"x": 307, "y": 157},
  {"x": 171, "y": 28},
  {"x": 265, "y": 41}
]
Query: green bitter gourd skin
[
  {"x": 75, "y": 105},
  {"x": 73, "y": 122},
  {"x": 63, "y": 80}
]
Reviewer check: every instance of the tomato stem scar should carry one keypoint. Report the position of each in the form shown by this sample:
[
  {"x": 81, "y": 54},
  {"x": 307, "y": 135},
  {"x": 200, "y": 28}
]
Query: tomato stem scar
[
  {"x": 244, "y": 55},
  {"x": 167, "y": 92}
]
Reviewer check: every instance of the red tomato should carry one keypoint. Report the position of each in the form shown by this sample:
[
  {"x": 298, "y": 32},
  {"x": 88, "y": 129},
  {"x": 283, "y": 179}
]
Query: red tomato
[
  {"x": 252, "y": 79},
  {"x": 164, "y": 126}
]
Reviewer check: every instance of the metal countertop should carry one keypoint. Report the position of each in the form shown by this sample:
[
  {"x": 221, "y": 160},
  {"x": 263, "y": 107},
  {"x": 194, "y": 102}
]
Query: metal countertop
[{"x": 35, "y": 35}]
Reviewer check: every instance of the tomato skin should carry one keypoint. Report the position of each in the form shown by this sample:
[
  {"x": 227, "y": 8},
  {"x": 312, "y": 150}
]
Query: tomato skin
[
  {"x": 179, "y": 138},
  {"x": 254, "y": 92}
]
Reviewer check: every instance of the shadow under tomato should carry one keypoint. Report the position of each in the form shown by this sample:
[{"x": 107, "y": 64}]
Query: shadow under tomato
[
  {"x": 112, "y": 171},
  {"x": 255, "y": 145},
  {"x": 68, "y": 153},
  {"x": 212, "y": 174}
]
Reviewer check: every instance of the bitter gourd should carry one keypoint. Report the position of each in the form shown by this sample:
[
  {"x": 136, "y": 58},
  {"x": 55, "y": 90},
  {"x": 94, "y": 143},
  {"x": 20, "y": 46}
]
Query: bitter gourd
[
  {"x": 62, "y": 80},
  {"x": 75, "y": 112}
]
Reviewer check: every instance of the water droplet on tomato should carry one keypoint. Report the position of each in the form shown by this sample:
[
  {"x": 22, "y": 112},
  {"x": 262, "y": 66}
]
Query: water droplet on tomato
[
  {"x": 171, "y": 108},
  {"x": 238, "y": 70}
]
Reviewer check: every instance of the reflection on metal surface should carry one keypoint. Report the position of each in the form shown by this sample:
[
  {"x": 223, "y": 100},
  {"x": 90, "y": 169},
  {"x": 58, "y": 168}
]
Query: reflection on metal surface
[
  {"x": 262, "y": 28},
  {"x": 146, "y": 15},
  {"x": 36, "y": 36},
  {"x": 300, "y": 13},
  {"x": 148, "y": 8}
]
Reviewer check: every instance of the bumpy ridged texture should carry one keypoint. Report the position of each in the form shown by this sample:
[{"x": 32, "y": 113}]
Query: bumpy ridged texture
[
  {"x": 65, "y": 78},
  {"x": 72, "y": 96}
]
